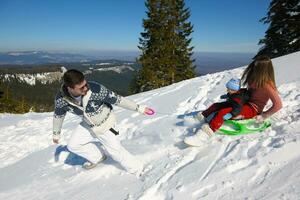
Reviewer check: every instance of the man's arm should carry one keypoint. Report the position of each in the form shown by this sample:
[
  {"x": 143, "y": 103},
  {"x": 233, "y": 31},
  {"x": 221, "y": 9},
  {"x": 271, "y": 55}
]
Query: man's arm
[
  {"x": 58, "y": 118},
  {"x": 115, "y": 99},
  {"x": 131, "y": 105}
]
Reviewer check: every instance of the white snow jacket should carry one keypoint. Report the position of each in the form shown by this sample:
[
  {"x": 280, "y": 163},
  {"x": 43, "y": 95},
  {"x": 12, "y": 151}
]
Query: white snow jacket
[{"x": 96, "y": 107}]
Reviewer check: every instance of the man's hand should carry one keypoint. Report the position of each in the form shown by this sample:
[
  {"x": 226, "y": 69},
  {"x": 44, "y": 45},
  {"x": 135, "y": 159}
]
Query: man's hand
[
  {"x": 55, "y": 138},
  {"x": 145, "y": 110},
  {"x": 55, "y": 141}
]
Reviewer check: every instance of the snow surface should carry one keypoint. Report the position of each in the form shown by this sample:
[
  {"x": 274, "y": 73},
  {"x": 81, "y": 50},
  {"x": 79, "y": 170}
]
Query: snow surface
[
  {"x": 257, "y": 166},
  {"x": 118, "y": 69},
  {"x": 31, "y": 79}
]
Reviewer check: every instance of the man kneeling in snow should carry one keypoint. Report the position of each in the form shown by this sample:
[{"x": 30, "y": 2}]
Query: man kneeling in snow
[{"x": 93, "y": 102}]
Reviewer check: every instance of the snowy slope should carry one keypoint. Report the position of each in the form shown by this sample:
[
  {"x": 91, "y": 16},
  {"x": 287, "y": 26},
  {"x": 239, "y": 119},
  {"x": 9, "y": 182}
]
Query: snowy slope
[
  {"x": 31, "y": 79},
  {"x": 259, "y": 166}
]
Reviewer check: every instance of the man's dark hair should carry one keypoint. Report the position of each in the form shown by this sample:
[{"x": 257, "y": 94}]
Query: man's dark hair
[{"x": 72, "y": 77}]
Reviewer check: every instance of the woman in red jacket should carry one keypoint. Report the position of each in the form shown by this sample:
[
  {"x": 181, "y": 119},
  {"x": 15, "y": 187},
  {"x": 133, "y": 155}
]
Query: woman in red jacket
[{"x": 260, "y": 80}]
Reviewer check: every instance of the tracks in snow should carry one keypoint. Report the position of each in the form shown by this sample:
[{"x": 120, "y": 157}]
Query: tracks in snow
[{"x": 154, "y": 191}]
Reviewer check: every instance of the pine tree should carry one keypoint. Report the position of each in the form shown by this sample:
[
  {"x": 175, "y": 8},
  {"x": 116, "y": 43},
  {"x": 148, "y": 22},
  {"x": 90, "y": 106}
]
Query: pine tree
[
  {"x": 9, "y": 105},
  {"x": 165, "y": 45},
  {"x": 22, "y": 106},
  {"x": 283, "y": 34}
]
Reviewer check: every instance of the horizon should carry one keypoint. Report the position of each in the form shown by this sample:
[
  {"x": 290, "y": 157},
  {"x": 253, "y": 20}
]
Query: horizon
[
  {"x": 110, "y": 51},
  {"x": 205, "y": 62},
  {"x": 63, "y": 26},
  {"x": 113, "y": 54}
]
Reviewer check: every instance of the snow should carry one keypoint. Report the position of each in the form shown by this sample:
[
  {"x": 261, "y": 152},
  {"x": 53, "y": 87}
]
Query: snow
[
  {"x": 294, "y": 41},
  {"x": 293, "y": 13},
  {"x": 44, "y": 78},
  {"x": 22, "y": 53},
  {"x": 118, "y": 69},
  {"x": 103, "y": 64},
  {"x": 256, "y": 166}
]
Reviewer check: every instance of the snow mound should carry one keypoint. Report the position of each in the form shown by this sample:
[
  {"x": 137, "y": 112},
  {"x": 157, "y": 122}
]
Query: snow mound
[{"x": 258, "y": 166}]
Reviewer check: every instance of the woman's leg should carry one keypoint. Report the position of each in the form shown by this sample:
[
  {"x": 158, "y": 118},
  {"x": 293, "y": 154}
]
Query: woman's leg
[{"x": 81, "y": 144}]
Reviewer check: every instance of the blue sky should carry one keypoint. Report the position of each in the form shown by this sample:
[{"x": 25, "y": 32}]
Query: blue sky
[{"x": 115, "y": 25}]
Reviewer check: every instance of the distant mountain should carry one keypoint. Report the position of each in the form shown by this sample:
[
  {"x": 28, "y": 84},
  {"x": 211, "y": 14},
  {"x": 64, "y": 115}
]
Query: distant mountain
[
  {"x": 41, "y": 57},
  {"x": 206, "y": 62},
  {"x": 48, "y": 73},
  {"x": 32, "y": 78},
  {"x": 38, "y": 83}
]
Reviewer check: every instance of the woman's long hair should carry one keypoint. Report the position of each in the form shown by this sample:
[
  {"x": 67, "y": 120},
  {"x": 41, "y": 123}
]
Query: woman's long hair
[{"x": 259, "y": 73}]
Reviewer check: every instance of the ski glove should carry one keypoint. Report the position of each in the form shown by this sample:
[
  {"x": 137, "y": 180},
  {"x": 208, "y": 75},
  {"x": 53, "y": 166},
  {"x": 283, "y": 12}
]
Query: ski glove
[
  {"x": 227, "y": 116},
  {"x": 224, "y": 96}
]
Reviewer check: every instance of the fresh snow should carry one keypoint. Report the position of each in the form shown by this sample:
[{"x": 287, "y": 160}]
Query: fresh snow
[
  {"x": 257, "y": 166},
  {"x": 103, "y": 64},
  {"x": 117, "y": 69},
  {"x": 22, "y": 53},
  {"x": 31, "y": 79}
]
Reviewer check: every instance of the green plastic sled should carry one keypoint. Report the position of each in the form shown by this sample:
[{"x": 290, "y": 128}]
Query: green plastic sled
[{"x": 246, "y": 126}]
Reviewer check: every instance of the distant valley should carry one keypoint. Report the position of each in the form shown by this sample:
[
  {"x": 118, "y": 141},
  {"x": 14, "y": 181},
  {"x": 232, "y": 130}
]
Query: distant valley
[
  {"x": 37, "y": 84},
  {"x": 35, "y": 76}
]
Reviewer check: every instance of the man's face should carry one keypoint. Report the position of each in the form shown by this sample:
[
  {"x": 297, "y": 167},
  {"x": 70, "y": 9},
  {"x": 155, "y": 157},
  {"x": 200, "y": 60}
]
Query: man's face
[{"x": 79, "y": 89}]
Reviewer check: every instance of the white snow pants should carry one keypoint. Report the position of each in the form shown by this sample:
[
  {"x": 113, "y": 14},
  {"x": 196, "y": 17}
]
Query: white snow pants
[{"x": 82, "y": 144}]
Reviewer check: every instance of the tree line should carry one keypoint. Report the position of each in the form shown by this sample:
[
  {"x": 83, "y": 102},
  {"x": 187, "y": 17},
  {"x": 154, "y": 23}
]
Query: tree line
[{"x": 18, "y": 96}]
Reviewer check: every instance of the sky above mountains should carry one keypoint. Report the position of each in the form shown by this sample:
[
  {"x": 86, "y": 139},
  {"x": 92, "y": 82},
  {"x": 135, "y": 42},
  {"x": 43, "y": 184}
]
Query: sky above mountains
[{"x": 75, "y": 26}]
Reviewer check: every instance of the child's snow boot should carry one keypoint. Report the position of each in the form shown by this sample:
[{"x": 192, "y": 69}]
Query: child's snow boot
[
  {"x": 206, "y": 128},
  {"x": 201, "y": 137},
  {"x": 200, "y": 117}
]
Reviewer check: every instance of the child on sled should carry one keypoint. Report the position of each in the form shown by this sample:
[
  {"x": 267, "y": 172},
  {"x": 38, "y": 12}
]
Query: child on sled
[{"x": 260, "y": 80}]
